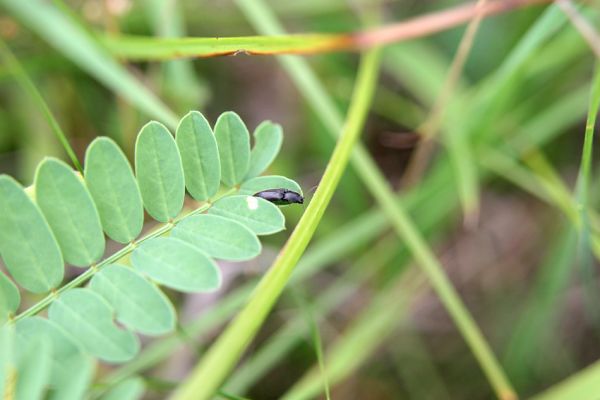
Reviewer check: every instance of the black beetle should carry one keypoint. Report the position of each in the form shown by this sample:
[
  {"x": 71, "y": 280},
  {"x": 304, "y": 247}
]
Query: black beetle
[{"x": 280, "y": 197}]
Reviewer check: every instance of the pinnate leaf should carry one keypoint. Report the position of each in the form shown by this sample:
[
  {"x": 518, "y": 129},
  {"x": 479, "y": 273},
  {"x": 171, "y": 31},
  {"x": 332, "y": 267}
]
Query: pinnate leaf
[
  {"x": 27, "y": 244},
  {"x": 34, "y": 367},
  {"x": 267, "y": 143},
  {"x": 262, "y": 217},
  {"x": 70, "y": 211},
  {"x": 89, "y": 318},
  {"x": 159, "y": 172},
  {"x": 9, "y": 297},
  {"x": 218, "y": 237},
  {"x": 111, "y": 183},
  {"x": 177, "y": 264},
  {"x": 199, "y": 155},
  {"x": 138, "y": 304},
  {"x": 233, "y": 142},
  {"x": 72, "y": 370}
]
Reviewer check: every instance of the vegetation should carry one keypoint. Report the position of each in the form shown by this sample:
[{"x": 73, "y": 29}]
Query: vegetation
[{"x": 451, "y": 252}]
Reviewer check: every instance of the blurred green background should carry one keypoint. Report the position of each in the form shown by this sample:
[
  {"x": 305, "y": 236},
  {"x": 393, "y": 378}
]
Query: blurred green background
[{"x": 525, "y": 268}]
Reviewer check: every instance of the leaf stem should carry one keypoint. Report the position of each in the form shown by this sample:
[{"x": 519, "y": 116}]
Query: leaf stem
[{"x": 150, "y": 48}]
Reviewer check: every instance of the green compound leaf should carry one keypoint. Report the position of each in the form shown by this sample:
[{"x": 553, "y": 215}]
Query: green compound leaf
[
  {"x": 262, "y": 217},
  {"x": 130, "y": 389},
  {"x": 70, "y": 211},
  {"x": 89, "y": 318},
  {"x": 199, "y": 155},
  {"x": 260, "y": 183},
  {"x": 218, "y": 237},
  {"x": 110, "y": 180},
  {"x": 159, "y": 172},
  {"x": 233, "y": 141},
  {"x": 71, "y": 369},
  {"x": 267, "y": 143},
  {"x": 28, "y": 246},
  {"x": 138, "y": 304},
  {"x": 34, "y": 366},
  {"x": 177, "y": 264},
  {"x": 10, "y": 298}
]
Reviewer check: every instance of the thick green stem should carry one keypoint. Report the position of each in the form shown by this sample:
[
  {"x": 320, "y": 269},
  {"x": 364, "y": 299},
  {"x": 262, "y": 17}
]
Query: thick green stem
[
  {"x": 266, "y": 23},
  {"x": 224, "y": 354}
]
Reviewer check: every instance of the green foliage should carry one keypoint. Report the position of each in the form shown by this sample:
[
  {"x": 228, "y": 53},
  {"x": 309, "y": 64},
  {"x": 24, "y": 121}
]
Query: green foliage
[
  {"x": 137, "y": 303},
  {"x": 110, "y": 180},
  {"x": 262, "y": 217},
  {"x": 234, "y": 148},
  {"x": 219, "y": 237},
  {"x": 199, "y": 155},
  {"x": 28, "y": 246},
  {"x": 129, "y": 389},
  {"x": 177, "y": 264},
  {"x": 70, "y": 212},
  {"x": 267, "y": 143},
  {"x": 88, "y": 317},
  {"x": 68, "y": 219},
  {"x": 10, "y": 298},
  {"x": 159, "y": 172}
]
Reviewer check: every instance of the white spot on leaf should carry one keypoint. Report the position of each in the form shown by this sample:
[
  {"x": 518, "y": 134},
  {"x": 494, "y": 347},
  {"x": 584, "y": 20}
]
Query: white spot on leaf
[{"x": 252, "y": 202}]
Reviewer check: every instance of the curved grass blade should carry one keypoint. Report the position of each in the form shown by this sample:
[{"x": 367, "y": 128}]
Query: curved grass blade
[
  {"x": 27, "y": 244},
  {"x": 177, "y": 264},
  {"x": 28, "y": 85},
  {"x": 218, "y": 237},
  {"x": 10, "y": 298},
  {"x": 83, "y": 49},
  {"x": 262, "y": 217},
  {"x": 233, "y": 141},
  {"x": 267, "y": 143},
  {"x": 159, "y": 172},
  {"x": 138, "y": 304},
  {"x": 261, "y": 183},
  {"x": 199, "y": 155},
  {"x": 88, "y": 317},
  {"x": 110, "y": 180},
  {"x": 210, "y": 372},
  {"x": 70, "y": 211}
]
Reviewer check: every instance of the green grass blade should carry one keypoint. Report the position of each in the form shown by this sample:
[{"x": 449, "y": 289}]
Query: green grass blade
[
  {"x": 584, "y": 385},
  {"x": 315, "y": 338},
  {"x": 80, "y": 47},
  {"x": 28, "y": 85},
  {"x": 222, "y": 356},
  {"x": 307, "y": 83},
  {"x": 584, "y": 178}
]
